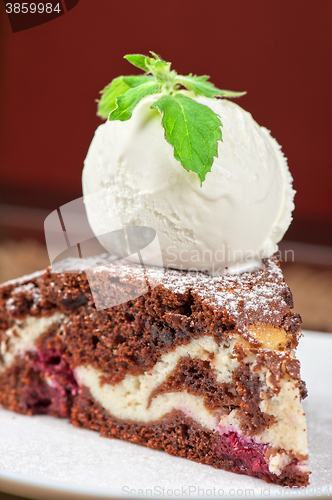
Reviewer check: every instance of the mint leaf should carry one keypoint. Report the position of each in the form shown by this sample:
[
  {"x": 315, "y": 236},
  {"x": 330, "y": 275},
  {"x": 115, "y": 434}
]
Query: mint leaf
[
  {"x": 126, "y": 103},
  {"x": 109, "y": 94},
  {"x": 201, "y": 86},
  {"x": 136, "y": 80},
  {"x": 138, "y": 60},
  {"x": 230, "y": 93},
  {"x": 193, "y": 130},
  {"x": 117, "y": 87},
  {"x": 157, "y": 58},
  {"x": 155, "y": 65},
  {"x": 161, "y": 69},
  {"x": 145, "y": 63}
]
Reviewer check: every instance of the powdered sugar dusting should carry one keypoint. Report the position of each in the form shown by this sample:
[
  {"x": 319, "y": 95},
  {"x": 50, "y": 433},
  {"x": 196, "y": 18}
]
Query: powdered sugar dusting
[
  {"x": 257, "y": 295},
  {"x": 23, "y": 279},
  {"x": 261, "y": 291}
]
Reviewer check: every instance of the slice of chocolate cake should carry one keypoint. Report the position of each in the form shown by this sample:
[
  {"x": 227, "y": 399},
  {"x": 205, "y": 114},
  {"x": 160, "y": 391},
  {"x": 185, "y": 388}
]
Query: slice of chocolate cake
[{"x": 201, "y": 367}]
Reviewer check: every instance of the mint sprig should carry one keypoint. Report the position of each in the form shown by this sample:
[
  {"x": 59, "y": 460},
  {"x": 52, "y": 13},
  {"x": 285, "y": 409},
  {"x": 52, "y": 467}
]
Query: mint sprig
[{"x": 193, "y": 129}]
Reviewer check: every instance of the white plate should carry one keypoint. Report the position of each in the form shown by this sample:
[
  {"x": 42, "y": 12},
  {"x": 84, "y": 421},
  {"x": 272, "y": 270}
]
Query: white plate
[{"x": 46, "y": 458}]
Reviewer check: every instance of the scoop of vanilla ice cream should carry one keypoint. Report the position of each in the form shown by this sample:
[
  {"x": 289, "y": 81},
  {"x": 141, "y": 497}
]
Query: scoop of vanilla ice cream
[{"x": 233, "y": 220}]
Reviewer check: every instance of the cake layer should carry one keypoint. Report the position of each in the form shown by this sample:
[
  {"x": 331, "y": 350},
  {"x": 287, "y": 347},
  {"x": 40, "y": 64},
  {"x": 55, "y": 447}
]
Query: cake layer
[
  {"x": 179, "y": 435},
  {"x": 219, "y": 352}
]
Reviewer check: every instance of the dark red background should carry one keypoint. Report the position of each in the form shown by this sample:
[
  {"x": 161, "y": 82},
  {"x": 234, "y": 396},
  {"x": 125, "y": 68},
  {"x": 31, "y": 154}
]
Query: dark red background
[{"x": 277, "y": 50}]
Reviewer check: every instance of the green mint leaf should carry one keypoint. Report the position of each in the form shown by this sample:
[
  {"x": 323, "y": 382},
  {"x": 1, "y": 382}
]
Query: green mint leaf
[
  {"x": 231, "y": 93},
  {"x": 156, "y": 65},
  {"x": 109, "y": 94},
  {"x": 138, "y": 60},
  {"x": 117, "y": 87},
  {"x": 161, "y": 66},
  {"x": 135, "y": 81},
  {"x": 157, "y": 58},
  {"x": 153, "y": 65},
  {"x": 193, "y": 130},
  {"x": 201, "y": 86},
  {"x": 126, "y": 103}
]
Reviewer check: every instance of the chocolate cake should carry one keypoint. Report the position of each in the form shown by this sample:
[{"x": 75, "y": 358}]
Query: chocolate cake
[{"x": 201, "y": 367}]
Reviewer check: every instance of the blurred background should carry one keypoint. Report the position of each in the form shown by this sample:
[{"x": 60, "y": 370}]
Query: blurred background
[{"x": 51, "y": 75}]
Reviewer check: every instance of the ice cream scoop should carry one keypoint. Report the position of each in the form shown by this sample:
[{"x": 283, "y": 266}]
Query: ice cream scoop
[{"x": 229, "y": 223}]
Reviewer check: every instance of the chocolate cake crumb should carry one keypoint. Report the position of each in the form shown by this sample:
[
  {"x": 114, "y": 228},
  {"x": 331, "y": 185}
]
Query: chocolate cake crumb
[{"x": 172, "y": 309}]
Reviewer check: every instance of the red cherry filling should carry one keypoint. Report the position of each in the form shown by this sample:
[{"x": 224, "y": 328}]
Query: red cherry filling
[
  {"x": 246, "y": 455},
  {"x": 52, "y": 384}
]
